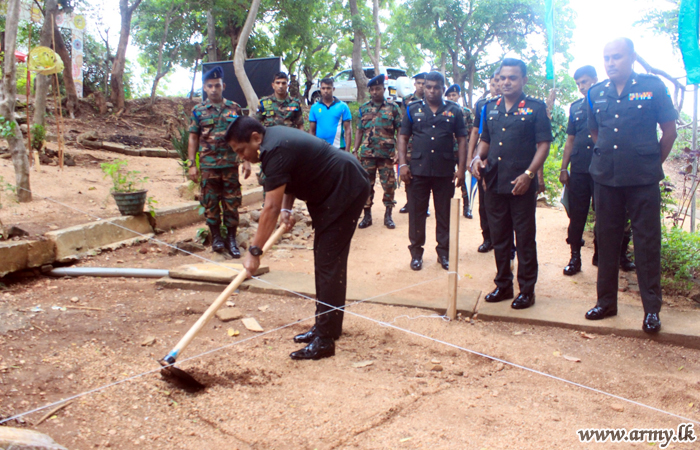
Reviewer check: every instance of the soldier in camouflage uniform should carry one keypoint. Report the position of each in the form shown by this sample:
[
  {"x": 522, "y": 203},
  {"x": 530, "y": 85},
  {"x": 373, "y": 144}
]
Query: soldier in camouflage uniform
[
  {"x": 380, "y": 121},
  {"x": 294, "y": 87},
  {"x": 279, "y": 108},
  {"x": 452, "y": 94},
  {"x": 418, "y": 83},
  {"x": 217, "y": 161}
]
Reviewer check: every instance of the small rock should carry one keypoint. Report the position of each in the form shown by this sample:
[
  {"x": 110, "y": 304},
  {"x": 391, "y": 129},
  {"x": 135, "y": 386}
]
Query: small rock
[
  {"x": 499, "y": 367},
  {"x": 20, "y": 438},
  {"x": 190, "y": 247},
  {"x": 436, "y": 368},
  {"x": 143, "y": 250},
  {"x": 148, "y": 341},
  {"x": 361, "y": 364},
  {"x": 229, "y": 314},
  {"x": 458, "y": 372},
  {"x": 435, "y": 361},
  {"x": 254, "y": 215},
  {"x": 617, "y": 407},
  {"x": 243, "y": 222},
  {"x": 252, "y": 324},
  {"x": 74, "y": 299}
]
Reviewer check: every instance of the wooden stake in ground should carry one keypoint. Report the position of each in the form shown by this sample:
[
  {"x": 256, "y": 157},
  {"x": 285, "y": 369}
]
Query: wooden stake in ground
[
  {"x": 454, "y": 260},
  {"x": 29, "y": 86},
  {"x": 57, "y": 99}
]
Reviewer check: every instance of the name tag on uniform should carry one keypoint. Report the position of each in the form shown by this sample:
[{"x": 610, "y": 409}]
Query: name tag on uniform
[
  {"x": 493, "y": 112},
  {"x": 524, "y": 111},
  {"x": 448, "y": 114},
  {"x": 641, "y": 96},
  {"x": 419, "y": 114}
]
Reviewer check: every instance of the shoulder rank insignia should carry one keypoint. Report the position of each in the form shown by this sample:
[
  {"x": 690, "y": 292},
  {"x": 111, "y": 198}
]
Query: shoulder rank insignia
[
  {"x": 522, "y": 104},
  {"x": 498, "y": 102},
  {"x": 641, "y": 96}
]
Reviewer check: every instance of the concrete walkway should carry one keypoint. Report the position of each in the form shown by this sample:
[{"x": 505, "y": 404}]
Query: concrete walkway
[{"x": 679, "y": 327}]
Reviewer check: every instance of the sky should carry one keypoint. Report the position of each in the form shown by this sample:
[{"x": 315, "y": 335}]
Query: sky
[{"x": 597, "y": 22}]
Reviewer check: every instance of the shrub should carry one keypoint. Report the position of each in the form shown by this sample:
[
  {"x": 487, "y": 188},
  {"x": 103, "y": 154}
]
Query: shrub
[{"x": 680, "y": 259}]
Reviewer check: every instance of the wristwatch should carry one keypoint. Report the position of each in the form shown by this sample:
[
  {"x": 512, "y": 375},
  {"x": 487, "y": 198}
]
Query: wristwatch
[
  {"x": 530, "y": 175},
  {"x": 255, "y": 250}
]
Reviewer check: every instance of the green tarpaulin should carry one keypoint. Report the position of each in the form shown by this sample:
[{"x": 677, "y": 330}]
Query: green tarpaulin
[{"x": 688, "y": 37}]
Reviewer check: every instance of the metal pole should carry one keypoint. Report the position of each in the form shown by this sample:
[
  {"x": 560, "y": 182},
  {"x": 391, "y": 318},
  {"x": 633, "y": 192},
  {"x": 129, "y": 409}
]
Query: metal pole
[{"x": 695, "y": 159}]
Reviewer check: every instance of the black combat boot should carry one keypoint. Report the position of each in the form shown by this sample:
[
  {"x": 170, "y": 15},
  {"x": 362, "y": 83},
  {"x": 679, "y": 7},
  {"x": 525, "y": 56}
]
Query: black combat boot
[
  {"x": 388, "y": 221},
  {"x": 217, "y": 242},
  {"x": 367, "y": 220},
  {"x": 625, "y": 263},
  {"x": 574, "y": 265},
  {"x": 232, "y": 245},
  {"x": 465, "y": 210}
]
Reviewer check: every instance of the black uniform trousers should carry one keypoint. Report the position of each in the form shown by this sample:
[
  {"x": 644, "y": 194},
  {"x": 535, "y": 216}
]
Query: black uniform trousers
[
  {"x": 508, "y": 213},
  {"x": 580, "y": 189},
  {"x": 331, "y": 250},
  {"x": 443, "y": 190},
  {"x": 483, "y": 217},
  {"x": 643, "y": 204}
]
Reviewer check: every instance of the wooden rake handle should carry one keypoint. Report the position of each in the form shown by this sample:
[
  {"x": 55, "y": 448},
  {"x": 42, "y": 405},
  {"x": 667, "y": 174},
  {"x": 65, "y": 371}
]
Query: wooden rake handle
[{"x": 209, "y": 313}]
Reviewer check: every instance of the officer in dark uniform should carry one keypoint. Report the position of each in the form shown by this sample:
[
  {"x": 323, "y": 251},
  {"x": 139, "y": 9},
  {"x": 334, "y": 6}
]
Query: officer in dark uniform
[
  {"x": 418, "y": 84},
  {"x": 515, "y": 138},
  {"x": 623, "y": 113},
  {"x": 494, "y": 91},
  {"x": 433, "y": 124},
  {"x": 579, "y": 184}
]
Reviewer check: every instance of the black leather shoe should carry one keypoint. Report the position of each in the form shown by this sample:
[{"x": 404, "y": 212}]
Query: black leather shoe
[
  {"x": 232, "y": 245},
  {"x": 428, "y": 213},
  {"x": 469, "y": 215},
  {"x": 416, "y": 264},
  {"x": 652, "y": 323},
  {"x": 404, "y": 210},
  {"x": 444, "y": 262},
  {"x": 626, "y": 265},
  {"x": 523, "y": 301},
  {"x": 594, "y": 261},
  {"x": 306, "y": 338},
  {"x": 574, "y": 265},
  {"x": 499, "y": 294},
  {"x": 599, "y": 313},
  {"x": 367, "y": 220},
  {"x": 486, "y": 247},
  {"x": 317, "y": 349},
  {"x": 217, "y": 242},
  {"x": 465, "y": 210}
]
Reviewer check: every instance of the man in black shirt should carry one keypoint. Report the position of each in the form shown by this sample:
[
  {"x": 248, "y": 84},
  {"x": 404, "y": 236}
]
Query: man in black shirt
[
  {"x": 515, "y": 138},
  {"x": 623, "y": 113},
  {"x": 334, "y": 186},
  {"x": 433, "y": 124}
]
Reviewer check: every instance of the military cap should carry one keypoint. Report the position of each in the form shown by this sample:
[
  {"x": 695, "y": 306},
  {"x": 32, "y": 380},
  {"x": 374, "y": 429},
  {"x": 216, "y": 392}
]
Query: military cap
[
  {"x": 420, "y": 76},
  {"x": 213, "y": 74},
  {"x": 376, "y": 81},
  {"x": 453, "y": 88}
]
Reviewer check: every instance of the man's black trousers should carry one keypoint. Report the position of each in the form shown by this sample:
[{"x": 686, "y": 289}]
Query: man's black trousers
[
  {"x": 643, "y": 204},
  {"x": 483, "y": 217},
  {"x": 331, "y": 250},
  {"x": 580, "y": 189},
  {"x": 443, "y": 190},
  {"x": 508, "y": 213}
]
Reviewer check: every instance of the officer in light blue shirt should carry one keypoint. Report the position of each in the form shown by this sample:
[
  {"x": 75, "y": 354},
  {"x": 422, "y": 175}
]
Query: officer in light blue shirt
[{"x": 327, "y": 114}]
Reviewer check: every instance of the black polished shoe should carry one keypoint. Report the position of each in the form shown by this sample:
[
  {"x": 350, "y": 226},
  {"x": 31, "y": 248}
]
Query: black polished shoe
[
  {"x": 388, "y": 221},
  {"x": 305, "y": 338},
  {"x": 318, "y": 348},
  {"x": 428, "y": 213},
  {"x": 652, "y": 323},
  {"x": 444, "y": 262},
  {"x": 574, "y": 265},
  {"x": 367, "y": 220},
  {"x": 523, "y": 301},
  {"x": 217, "y": 242},
  {"x": 416, "y": 264},
  {"x": 599, "y": 313},
  {"x": 499, "y": 294},
  {"x": 469, "y": 215},
  {"x": 486, "y": 247},
  {"x": 626, "y": 265},
  {"x": 465, "y": 210},
  {"x": 404, "y": 210},
  {"x": 594, "y": 261},
  {"x": 232, "y": 245}
]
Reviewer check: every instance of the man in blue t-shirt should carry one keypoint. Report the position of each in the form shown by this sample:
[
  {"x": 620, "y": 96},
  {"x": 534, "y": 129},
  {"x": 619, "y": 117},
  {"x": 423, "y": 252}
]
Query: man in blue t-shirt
[{"x": 329, "y": 112}]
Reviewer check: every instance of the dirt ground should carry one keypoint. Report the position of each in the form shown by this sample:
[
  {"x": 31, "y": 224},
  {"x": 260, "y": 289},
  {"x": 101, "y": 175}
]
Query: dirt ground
[{"x": 415, "y": 393}]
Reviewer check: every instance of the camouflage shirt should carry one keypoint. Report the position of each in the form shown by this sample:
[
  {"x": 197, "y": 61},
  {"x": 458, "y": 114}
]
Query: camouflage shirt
[
  {"x": 406, "y": 100},
  {"x": 273, "y": 111},
  {"x": 379, "y": 125},
  {"x": 468, "y": 122},
  {"x": 210, "y": 121}
]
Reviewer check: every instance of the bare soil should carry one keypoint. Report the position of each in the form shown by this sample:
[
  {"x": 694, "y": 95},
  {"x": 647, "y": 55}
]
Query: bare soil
[{"x": 416, "y": 393}]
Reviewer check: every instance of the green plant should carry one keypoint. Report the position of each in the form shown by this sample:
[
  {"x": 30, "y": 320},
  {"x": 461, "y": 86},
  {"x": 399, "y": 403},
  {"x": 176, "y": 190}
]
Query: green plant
[
  {"x": 151, "y": 203},
  {"x": 680, "y": 259},
  {"x": 123, "y": 180},
  {"x": 38, "y": 136},
  {"x": 7, "y": 127},
  {"x": 552, "y": 166},
  {"x": 7, "y": 187},
  {"x": 181, "y": 144},
  {"x": 202, "y": 235}
]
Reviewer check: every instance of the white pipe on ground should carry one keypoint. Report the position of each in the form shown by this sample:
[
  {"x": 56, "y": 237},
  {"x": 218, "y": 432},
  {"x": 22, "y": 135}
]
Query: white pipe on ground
[{"x": 107, "y": 272}]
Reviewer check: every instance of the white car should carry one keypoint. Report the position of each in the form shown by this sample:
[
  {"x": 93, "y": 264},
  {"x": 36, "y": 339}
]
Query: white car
[{"x": 398, "y": 86}]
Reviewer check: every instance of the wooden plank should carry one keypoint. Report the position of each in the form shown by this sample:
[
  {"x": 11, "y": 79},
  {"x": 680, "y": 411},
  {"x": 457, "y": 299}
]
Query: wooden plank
[
  {"x": 213, "y": 273},
  {"x": 454, "y": 259}
]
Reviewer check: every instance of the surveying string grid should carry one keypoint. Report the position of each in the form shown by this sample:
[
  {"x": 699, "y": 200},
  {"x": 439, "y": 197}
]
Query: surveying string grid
[{"x": 332, "y": 308}]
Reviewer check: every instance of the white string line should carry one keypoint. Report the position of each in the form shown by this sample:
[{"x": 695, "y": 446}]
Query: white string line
[{"x": 409, "y": 332}]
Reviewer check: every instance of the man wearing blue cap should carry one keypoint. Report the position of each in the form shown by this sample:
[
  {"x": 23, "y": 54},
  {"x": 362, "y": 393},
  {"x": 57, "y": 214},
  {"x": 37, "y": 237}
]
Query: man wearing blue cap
[
  {"x": 380, "y": 121},
  {"x": 220, "y": 185},
  {"x": 419, "y": 84},
  {"x": 452, "y": 94}
]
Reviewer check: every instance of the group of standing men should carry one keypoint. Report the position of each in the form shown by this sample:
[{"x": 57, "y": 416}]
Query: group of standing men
[{"x": 612, "y": 147}]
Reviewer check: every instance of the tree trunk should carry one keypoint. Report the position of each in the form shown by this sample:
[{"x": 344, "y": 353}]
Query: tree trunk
[
  {"x": 42, "y": 82},
  {"x": 443, "y": 66},
  {"x": 358, "y": 73},
  {"x": 69, "y": 83},
  {"x": 117, "y": 75},
  {"x": 160, "y": 73},
  {"x": 212, "y": 51},
  {"x": 7, "y": 104},
  {"x": 240, "y": 55},
  {"x": 377, "y": 37}
]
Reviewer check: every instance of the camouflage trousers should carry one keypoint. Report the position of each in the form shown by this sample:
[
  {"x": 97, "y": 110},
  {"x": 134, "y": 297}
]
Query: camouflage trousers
[
  {"x": 387, "y": 177},
  {"x": 221, "y": 187}
]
